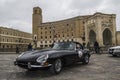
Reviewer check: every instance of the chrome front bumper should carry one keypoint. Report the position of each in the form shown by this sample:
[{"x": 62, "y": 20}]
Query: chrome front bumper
[
  {"x": 38, "y": 66},
  {"x": 29, "y": 65}
]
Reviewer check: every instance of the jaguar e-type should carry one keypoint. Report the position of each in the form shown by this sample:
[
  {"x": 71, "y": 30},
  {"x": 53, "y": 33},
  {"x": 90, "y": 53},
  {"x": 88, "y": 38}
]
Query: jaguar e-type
[{"x": 61, "y": 54}]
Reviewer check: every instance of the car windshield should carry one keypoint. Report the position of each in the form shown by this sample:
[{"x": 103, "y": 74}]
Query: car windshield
[{"x": 64, "y": 45}]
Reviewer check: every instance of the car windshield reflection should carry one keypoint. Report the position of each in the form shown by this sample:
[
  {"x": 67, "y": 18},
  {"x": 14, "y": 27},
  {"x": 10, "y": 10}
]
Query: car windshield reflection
[{"x": 63, "y": 45}]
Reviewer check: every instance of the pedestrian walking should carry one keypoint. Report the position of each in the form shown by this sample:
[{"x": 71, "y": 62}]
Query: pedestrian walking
[
  {"x": 96, "y": 47},
  {"x": 29, "y": 47},
  {"x": 17, "y": 49}
]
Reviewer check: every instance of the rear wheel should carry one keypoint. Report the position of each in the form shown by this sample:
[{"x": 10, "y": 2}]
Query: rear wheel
[
  {"x": 56, "y": 67},
  {"x": 86, "y": 59}
]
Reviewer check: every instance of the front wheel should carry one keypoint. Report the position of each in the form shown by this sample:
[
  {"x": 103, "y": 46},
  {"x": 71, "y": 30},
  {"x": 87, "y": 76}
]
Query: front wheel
[
  {"x": 56, "y": 67},
  {"x": 114, "y": 55},
  {"x": 86, "y": 59}
]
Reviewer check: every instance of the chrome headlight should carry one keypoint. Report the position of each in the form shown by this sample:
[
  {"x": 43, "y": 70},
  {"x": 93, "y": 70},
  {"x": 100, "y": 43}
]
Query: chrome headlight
[
  {"x": 117, "y": 48},
  {"x": 42, "y": 59}
]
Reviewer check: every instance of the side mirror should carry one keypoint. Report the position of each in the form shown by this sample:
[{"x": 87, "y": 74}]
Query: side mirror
[{"x": 76, "y": 49}]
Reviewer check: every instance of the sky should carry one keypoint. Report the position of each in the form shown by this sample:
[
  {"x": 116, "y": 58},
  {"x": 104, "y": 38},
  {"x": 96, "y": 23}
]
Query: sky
[{"x": 17, "y": 14}]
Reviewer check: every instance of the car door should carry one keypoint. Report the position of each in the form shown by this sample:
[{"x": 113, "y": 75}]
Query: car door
[
  {"x": 79, "y": 51},
  {"x": 75, "y": 54},
  {"x": 71, "y": 54}
]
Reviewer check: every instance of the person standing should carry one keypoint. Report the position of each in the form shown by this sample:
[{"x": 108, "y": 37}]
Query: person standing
[
  {"x": 96, "y": 47},
  {"x": 17, "y": 49},
  {"x": 29, "y": 47}
]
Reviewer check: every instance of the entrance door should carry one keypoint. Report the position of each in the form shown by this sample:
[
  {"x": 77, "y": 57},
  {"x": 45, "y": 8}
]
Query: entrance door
[
  {"x": 107, "y": 37},
  {"x": 92, "y": 37}
]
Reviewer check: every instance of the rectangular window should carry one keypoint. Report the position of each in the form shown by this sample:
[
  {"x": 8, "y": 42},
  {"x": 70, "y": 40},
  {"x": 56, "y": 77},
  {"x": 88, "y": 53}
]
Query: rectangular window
[
  {"x": 41, "y": 46},
  {"x": 41, "y": 37}
]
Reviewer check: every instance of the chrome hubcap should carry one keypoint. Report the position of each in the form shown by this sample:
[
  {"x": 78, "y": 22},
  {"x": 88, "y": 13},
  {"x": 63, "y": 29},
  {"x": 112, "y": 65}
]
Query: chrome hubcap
[
  {"x": 58, "y": 65},
  {"x": 87, "y": 58}
]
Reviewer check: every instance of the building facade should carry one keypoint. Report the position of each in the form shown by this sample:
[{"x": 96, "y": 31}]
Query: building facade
[
  {"x": 118, "y": 38},
  {"x": 98, "y": 27},
  {"x": 11, "y": 38}
]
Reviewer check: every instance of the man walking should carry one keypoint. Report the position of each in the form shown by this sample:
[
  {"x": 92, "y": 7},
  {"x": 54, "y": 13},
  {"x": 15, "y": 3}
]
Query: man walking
[
  {"x": 17, "y": 49},
  {"x": 96, "y": 47},
  {"x": 29, "y": 47}
]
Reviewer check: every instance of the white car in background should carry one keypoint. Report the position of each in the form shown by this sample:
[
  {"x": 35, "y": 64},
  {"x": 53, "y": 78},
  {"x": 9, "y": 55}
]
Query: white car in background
[{"x": 114, "y": 51}]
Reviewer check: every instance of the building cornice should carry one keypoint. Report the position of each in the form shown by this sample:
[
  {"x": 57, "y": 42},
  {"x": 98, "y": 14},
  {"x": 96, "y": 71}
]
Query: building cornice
[
  {"x": 14, "y": 30},
  {"x": 11, "y": 43},
  {"x": 15, "y": 36}
]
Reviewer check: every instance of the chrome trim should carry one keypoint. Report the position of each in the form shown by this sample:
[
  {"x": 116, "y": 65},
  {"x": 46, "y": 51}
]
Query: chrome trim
[
  {"x": 39, "y": 66},
  {"x": 32, "y": 66}
]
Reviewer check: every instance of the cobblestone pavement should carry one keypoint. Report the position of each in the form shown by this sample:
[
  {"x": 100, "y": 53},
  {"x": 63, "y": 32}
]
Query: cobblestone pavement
[{"x": 101, "y": 67}]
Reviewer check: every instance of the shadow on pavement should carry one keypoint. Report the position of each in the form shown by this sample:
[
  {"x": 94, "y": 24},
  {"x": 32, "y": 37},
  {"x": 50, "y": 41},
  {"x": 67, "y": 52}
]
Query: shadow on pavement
[
  {"x": 113, "y": 56},
  {"x": 46, "y": 73}
]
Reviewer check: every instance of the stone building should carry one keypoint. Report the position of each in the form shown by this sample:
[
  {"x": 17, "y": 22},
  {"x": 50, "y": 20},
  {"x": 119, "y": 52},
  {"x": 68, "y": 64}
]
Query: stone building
[
  {"x": 118, "y": 38},
  {"x": 88, "y": 28},
  {"x": 10, "y": 38}
]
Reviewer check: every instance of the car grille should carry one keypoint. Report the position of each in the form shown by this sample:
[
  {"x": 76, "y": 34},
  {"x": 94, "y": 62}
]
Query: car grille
[
  {"x": 22, "y": 63},
  {"x": 111, "y": 50},
  {"x": 26, "y": 63}
]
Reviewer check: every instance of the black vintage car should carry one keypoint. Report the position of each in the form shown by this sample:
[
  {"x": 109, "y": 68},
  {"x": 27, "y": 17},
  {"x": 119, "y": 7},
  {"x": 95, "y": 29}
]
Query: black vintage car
[{"x": 61, "y": 54}]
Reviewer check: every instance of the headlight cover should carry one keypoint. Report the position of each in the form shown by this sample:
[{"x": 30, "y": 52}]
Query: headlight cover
[{"x": 42, "y": 59}]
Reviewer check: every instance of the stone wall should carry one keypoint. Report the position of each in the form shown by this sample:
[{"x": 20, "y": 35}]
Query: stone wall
[
  {"x": 12, "y": 38},
  {"x": 75, "y": 29},
  {"x": 118, "y": 38}
]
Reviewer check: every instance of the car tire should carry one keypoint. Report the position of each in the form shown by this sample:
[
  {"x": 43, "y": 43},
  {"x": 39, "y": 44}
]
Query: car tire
[
  {"x": 56, "y": 66},
  {"x": 114, "y": 55},
  {"x": 29, "y": 70},
  {"x": 86, "y": 59}
]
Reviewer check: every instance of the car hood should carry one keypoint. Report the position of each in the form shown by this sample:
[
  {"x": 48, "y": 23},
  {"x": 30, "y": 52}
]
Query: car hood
[
  {"x": 114, "y": 47},
  {"x": 33, "y": 55}
]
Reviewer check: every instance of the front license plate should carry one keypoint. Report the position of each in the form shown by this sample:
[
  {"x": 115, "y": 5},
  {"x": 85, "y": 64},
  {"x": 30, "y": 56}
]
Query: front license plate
[{"x": 29, "y": 65}]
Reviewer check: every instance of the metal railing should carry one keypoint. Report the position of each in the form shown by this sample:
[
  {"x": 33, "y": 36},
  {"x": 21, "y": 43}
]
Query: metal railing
[
  {"x": 11, "y": 50},
  {"x": 102, "y": 50}
]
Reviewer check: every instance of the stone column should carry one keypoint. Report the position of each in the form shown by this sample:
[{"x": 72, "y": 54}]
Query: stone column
[
  {"x": 99, "y": 35},
  {"x": 114, "y": 36},
  {"x": 86, "y": 33},
  {"x": 77, "y": 30}
]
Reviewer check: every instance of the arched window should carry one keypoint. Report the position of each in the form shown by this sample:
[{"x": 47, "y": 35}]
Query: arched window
[{"x": 92, "y": 37}]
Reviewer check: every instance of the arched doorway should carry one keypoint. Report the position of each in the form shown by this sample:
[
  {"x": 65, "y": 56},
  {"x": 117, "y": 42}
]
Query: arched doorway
[
  {"x": 92, "y": 37},
  {"x": 107, "y": 37}
]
